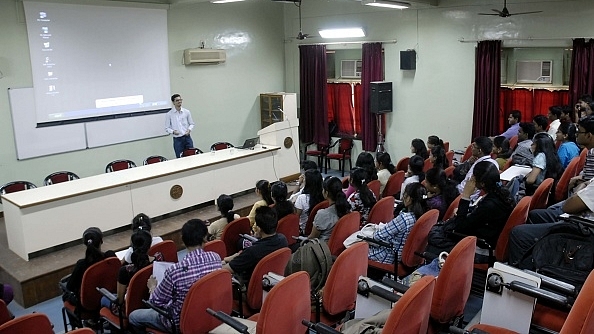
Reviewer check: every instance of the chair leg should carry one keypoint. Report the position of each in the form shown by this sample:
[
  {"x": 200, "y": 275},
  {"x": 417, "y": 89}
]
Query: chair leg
[{"x": 342, "y": 167}]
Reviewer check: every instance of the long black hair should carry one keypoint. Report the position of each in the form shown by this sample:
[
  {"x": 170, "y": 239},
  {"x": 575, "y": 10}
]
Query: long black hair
[
  {"x": 386, "y": 161},
  {"x": 437, "y": 178},
  {"x": 142, "y": 222},
  {"x": 416, "y": 165},
  {"x": 439, "y": 154},
  {"x": 263, "y": 187},
  {"x": 333, "y": 187},
  {"x": 313, "y": 187},
  {"x": 418, "y": 195},
  {"x": 544, "y": 144},
  {"x": 420, "y": 148},
  {"x": 487, "y": 174},
  {"x": 141, "y": 243},
  {"x": 360, "y": 183},
  {"x": 279, "y": 193},
  {"x": 435, "y": 141},
  {"x": 366, "y": 161},
  {"x": 225, "y": 206},
  {"x": 93, "y": 238}
]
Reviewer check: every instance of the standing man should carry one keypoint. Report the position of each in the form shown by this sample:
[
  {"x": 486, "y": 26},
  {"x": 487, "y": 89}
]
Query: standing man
[
  {"x": 179, "y": 123},
  {"x": 555, "y": 118}
]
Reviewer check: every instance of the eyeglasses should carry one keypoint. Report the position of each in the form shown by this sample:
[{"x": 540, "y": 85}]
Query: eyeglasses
[{"x": 177, "y": 100}]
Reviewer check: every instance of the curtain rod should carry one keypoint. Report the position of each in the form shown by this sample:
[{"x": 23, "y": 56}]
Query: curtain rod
[
  {"x": 462, "y": 40},
  {"x": 391, "y": 41}
]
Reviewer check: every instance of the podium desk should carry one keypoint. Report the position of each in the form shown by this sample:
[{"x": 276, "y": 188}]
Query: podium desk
[{"x": 41, "y": 218}]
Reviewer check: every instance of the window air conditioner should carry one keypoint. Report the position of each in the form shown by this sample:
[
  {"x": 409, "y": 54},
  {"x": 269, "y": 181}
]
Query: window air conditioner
[
  {"x": 534, "y": 71},
  {"x": 350, "y": 68},
  {"x": 204, "y": 56}
]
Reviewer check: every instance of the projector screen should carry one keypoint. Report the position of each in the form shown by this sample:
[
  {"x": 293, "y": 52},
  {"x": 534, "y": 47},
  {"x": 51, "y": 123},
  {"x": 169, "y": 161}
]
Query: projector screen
[{"x": 94, "y": 62}]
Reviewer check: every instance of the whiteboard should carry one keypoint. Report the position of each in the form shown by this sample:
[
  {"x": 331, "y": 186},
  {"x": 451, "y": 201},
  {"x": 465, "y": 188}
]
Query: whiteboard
[
  {"x": 121, "y": 130},
  {"x": 31, "y": 141}
]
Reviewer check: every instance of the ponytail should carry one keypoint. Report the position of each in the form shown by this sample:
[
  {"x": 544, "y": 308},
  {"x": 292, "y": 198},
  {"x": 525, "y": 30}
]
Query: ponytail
[
  {"x": 333, "y": 187},
  {"x": 263, "y": 187},
  {"x": 358, "y": 181},
  {"x": 225, "y": 205}
]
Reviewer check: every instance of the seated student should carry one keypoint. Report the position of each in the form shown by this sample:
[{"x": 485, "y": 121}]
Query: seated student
[
  {"x": 325, "y": 219},
  {"x": 6, "y": 293},
  {"x": 501, "y": 150},
  {"x": 522, "y": 154},
  {"x": 414, "y": 174},
  {"x": 441, "y": 191},
  {"x": 417, "y": 147},
  {"x": 362, "y": 199},
  {"x": 310, "y": 196},
  {"x": 437, "y": 156},
  {"x": 554, "y": 116},
  {"x": 305, "y": 165},
  {"x": 568, "y": 148},
  {"x": 263, "y": 191},
  {"x": 365, "y": 161},
  {"x": 546, "y": 163},
  {"x": 385, "y": 168},
  {"x": 514, "y": 118},
  {"x": 582, "y": 107},
  {"x": 242, "y": 264},
  {"x": 433, "y": 141},
  {"x": 396, "y": 231},
  {"x": 279, "y": 194},
  {"x": 177, "y": 280},
  {"x": 481, "y": 151},
  {"x": 225, "y": 207},
  {"x": 566, "y": 114},
  {"x": 141, "y": 222},
  {"x": 490, "y": 213},
  {"x": 541, "y": 123}
]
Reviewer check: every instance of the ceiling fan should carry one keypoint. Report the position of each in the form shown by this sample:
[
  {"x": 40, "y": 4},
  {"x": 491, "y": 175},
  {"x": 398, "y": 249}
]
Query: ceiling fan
[
  {"x": 300, "y": 35},
  {"x": 505, "y": 13}
]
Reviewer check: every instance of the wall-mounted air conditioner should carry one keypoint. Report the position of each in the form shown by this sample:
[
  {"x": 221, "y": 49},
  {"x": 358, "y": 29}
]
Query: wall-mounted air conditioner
[
  {"x": 350, "y": 68},
  {"x": 534, "y": 71},
  {"x": 204, "y": 56}
]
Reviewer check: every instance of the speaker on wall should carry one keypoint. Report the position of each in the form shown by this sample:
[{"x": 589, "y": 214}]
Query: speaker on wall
[
  {"x": 381, "y": 97},
  {"x": 408, "y": 60}
]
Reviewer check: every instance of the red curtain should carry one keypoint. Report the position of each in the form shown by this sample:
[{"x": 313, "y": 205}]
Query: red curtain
[
  {"x": 313, "y": 101},
  {"x": 372, "y": 70},
  {"x": 487, "y": 82},
  {"x": 358, "y": 107},
  {"x": 340, "y": 107},
  {"x": 581, "y": 79},
  {"x": 530, "y": 102}
]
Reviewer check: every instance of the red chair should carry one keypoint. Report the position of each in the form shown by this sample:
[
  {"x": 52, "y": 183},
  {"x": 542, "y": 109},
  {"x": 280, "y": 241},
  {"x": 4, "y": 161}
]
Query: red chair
[
  {"x": 449, "y": 172},
  {"x": 217, "y": 246},
  {"x": 580, "y": 165},
  {"x": 344, "y": 227},
  {"x": 222, "y": 145},
  {"x": 345, "y": 146},
  {"x": 167, "y": 248},
  {"x": 59, "y": 177},
  {"x": 37, "y": 323},
  {"x": 446, "y": 146},
  {"x": 513, "y": 142},
  {"x": 394, "y": 184},
  {"x": 428, "y": 165},
  {"x": 541, "y": 195},
  {"x": 340, "y": 291},
  {"x": 190, "y": 151},
  {"x": 374, "y": 186},
  {"x": 467, "y": 153},
  {"x": 563, "y": 184},
  {"x": 320, "y": 153},
  {"x": 5, "y": 315},
  {"x": 119, "y": 165},
  {"x": 382, "y": 211},
  {"x": 402, "y": 164},
  {"x": 289, "y": 227},
  {"x": 312, "y": 214},
  {"x": 411, "y": 313},
  {"x": 231, "y": 232},
  {"x": 12, "y": 187},
  {"x": 450, "y": 157},
  {"x": 153, "y": 159},
  {"x": 452, "y": 208}
]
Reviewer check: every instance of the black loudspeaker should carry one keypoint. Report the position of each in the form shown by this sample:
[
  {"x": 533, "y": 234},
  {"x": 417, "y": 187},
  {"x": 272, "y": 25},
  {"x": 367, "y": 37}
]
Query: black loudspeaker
[
  {"x": 408, "y": 60},
  {"x": 381, "y": 97}
]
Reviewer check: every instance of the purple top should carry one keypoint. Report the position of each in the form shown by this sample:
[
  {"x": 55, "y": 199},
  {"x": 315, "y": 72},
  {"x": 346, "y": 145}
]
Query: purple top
[{"x": 511, "y": 131}]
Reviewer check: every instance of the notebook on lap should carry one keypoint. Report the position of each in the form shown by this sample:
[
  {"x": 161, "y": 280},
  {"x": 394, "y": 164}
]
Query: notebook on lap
[{"x": 249, "y": 143}]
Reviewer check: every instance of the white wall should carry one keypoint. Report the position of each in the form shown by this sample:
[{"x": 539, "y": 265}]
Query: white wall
[{"x": 224, "y": 99}]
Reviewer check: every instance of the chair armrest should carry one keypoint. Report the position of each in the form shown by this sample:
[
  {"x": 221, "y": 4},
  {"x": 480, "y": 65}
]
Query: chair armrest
[
  {"x": 385, "y": 294},
  {"x": 319, "y": 327},
  {"x": 374, "y": 241},
  {"x": 249, "y": 237},
  {"x": 235, "y": 324},
  {"x": 398, "y": 287},
  {"x": 541, "y": 294},
  {"x": 159, "y": 310},
  {"x": 553, "y": 284},
  {"x": 456, "y": 330},
  {"x": 107, "y": 294}
]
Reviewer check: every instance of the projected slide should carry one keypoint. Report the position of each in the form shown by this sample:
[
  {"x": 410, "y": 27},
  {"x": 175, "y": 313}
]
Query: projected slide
[{"x": 93, "y": 62}]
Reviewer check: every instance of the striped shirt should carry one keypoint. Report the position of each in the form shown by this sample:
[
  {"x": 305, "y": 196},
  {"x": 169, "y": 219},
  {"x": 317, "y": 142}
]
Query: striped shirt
[
  {"x": 588, "y": 171},
  {"x": 394, "y": 232},
  {"x": 177, "y": 280}
]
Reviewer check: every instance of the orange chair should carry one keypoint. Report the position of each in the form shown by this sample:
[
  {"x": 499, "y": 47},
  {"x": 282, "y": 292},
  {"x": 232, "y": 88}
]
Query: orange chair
[
  {"x": 289, "y": 227},
  {"x": 453, "y": 286},
  {"x": 211, "y": 291},
  {"x": 374, "y": 186},
  {"x": 345, "y": 146},
  {"x": 580, "y": 319},
  {"x": 451, "y": 209},
  {"x": 449, "y": 172},
  {"x": 119, "y": 165},
  {"x": 312, "y": 214},
  {"x": 415, "y": 243},
  {"x": 85, "y": 330},
  {"x": 320, "y": 153},
  {"x": 394, "y": 184},
  {"x": 59, "y": 177},
  {"x": 274, "y": 262},
  {"x": 222, "y": 145},
  {"x": 231, "y": 232},
  {"x": 153, "y": 159},
  {"x": 382, "y": 211},
  {"x": 344, "y": 227},
  {"x": 136, "y": 292},
  {"x": 103, "y": 274},
  {"x": 563, "y": 184},
  {"x": 580, "y": 165},
  {"x": 217, "y": 246},
  {"x": 12, "y": 187},
  {"x": 428, "y": 165},
  {"x": 513, "y": 142},
  {"x": 467, "y": 153},
  {"x": 446, "y": 146},
  {"x": 340, "y": 291},
  {"x": 411, "y": 313},
  {"x": 541, "y": 195},
  {"x": 402, "y": 164},
  {"x": 5, "y": 313},
  {"x": 37, "y": 323},
  {"x": 190, "y": 151},
  {"x": 450, "y": 157},
  {"x": 167, "y": 248}
]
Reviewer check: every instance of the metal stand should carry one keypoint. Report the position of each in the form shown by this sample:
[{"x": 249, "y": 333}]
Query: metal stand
[{"x": 380, "y": 136}]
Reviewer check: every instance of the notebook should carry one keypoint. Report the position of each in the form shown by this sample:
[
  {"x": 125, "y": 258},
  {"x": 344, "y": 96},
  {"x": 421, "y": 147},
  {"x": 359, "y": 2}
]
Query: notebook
[{"x": 249, "y": 143}]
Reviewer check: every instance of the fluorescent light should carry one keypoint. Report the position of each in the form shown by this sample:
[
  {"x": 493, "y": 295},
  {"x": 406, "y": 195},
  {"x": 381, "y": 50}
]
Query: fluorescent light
[
  {"x": 224, "y": 1},
  {"x": 342, "y": 33},
  {"x": 386, "y": 4}
]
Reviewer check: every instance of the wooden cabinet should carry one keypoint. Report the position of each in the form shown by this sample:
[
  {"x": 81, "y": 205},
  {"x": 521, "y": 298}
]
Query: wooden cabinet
[{"x": 277, "y": 107}]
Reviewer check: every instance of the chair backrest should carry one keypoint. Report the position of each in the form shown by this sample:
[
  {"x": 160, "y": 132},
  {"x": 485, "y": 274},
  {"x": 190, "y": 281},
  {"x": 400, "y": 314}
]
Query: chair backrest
[
  {"x": 12, "y": 187},
  {"x": 340, "y": 291},
  {"x": 541, "y": 195},
  {"x": 211, "y": 291},
  {"x": 345, "y": 146},
  {"x": 37, "y": 323},
  {"x": 231, "y": 232},
  {"x": 138, "y": 290},
  {"x": 428, "y": 165},
  {"x": 344, "y": 227},
  {"x": 513, "y": 142},
  {"x": 446, "y": 146},
  {"x": 382, "y": 211},
  {"x": 85, "y": 330},
  {"x": 563, "y": 184},
  {"x": 450, "y": 157},
  {"x": 451, "y": 209},
  {"x": 167, "y": 248},
  {"x": 285, "y": 306},
  {"x": 312, "y": 214},
  {"x": 190, "y": 151},
  {"x": 4, "y": 313},
  {"x": 217, "y": 246},
  {"x": 274, "y": 262},
  {"x": 153, "y": 159},
  {"x": 59, "y": 177},
  {"x": 451, "y": 292},
  {"x": 580, "y": 319},
  {"x": 411, "y": 313},
  {"x": 416, "y": 242},
  {"x": 103, "y": 274},
  {"x": 449, "y": 172},
  {"x": 467, "y": 153},
  {"x": 402, "y": 164},
  {"x": 517, "y": 217},
  {"x": 374, "y": 186},
  {"x": 119, "y": 165},
  {"x": 289, "y": 227},
  {"x": 507, "y": 164},
  {"x": 394, "y": 184},
  {"x": 222, "y": 145},
  {"x": 582, "y": 162}
]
